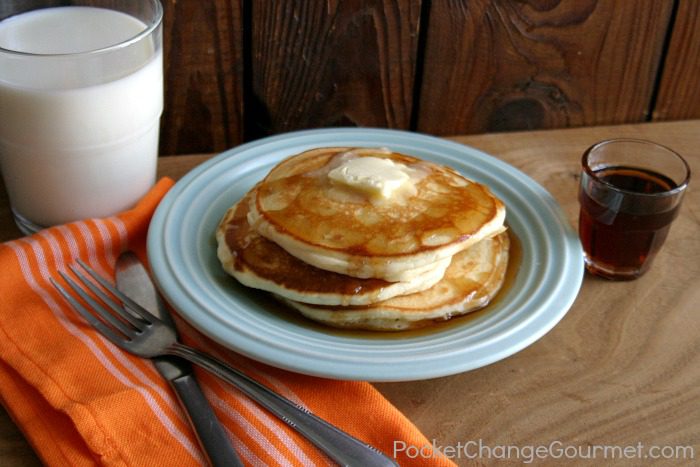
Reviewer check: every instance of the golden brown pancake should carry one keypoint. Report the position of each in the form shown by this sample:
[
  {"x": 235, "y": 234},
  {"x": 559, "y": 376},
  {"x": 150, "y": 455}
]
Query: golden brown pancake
[
  {"x": 259, "y": 263},
  {"x": 470, "y": 282},
  {"x": 333, "y": 227}
]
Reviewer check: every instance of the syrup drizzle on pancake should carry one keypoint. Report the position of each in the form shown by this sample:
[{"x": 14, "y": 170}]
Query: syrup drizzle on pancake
[
  {"x": 334, "y": 228},
  {"x": 307, "y": 205},
  {"x": 343, "y": 256},
  {"x": 260, "y": 263}
]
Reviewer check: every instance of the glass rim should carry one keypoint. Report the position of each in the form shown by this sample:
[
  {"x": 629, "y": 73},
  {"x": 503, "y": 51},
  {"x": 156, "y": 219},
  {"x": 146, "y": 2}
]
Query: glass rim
[
  {"x": 673, "y": 191},
  {"x": 150, "y": 27}
]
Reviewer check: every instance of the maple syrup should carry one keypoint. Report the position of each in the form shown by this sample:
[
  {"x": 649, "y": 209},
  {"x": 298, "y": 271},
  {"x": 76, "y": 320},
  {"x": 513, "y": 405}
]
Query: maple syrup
[{"x": 624, "y": 219}]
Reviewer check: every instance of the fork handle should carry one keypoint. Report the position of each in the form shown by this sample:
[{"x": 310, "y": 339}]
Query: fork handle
[{"x": 338, "y": 445}]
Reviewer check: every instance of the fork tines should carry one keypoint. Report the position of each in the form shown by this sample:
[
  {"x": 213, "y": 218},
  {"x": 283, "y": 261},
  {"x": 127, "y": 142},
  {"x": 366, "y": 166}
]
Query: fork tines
[{"x": 120, "y": 317}]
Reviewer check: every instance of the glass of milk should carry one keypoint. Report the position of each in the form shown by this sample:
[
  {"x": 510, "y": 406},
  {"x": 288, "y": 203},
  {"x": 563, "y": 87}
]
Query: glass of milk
[{"x": 81, "y": 94}]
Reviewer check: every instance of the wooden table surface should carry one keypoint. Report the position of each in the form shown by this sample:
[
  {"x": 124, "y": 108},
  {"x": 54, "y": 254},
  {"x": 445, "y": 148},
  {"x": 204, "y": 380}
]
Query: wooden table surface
[{"x": 622, "y": 369}]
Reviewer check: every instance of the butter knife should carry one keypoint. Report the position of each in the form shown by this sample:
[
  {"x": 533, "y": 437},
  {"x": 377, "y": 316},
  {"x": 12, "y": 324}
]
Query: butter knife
[{"x": 133, "y": 280}]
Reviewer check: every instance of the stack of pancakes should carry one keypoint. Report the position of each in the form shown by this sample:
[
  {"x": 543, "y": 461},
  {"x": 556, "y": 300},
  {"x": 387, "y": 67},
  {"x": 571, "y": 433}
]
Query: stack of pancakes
[{"x": 433, "y": 250}]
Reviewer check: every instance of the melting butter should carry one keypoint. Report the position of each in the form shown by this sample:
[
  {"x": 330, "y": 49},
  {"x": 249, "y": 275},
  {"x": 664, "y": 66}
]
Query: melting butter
[{"x": 375, "y": 177}]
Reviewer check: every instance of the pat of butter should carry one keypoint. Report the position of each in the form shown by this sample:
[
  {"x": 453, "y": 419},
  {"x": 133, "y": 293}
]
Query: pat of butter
[{"x": 374, "y": 176}]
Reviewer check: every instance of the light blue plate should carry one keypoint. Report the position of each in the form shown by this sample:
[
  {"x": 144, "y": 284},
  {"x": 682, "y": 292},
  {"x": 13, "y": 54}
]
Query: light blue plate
[{"x": 182, "y": 252}]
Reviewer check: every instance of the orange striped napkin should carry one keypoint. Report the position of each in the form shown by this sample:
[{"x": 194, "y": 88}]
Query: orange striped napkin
[{"x": 82, "y": 401}]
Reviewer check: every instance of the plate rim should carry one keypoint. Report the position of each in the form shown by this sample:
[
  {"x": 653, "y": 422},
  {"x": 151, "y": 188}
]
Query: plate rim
[{"x": 524, "y": 331}]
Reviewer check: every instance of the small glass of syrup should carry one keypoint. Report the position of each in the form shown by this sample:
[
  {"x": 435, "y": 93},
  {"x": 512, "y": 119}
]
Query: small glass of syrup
[{"x": 630, "y": 193}]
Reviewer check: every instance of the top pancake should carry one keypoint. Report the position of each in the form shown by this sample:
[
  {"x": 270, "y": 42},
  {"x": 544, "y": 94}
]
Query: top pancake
[
  {"x": 339, "y": 229},
  {"x": 259, "y": 263}
]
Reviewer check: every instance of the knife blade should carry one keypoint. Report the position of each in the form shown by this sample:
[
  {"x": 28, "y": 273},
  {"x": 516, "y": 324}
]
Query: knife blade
[{"x": 134, "y": 281}]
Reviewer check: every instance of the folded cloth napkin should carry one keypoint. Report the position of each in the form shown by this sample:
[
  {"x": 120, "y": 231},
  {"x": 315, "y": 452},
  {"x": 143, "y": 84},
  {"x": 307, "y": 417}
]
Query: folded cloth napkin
[{"x": 82, "y": 401}]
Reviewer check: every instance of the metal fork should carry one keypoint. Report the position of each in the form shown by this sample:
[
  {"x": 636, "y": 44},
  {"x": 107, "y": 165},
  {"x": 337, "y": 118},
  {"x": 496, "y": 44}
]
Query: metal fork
[{"x": 147, "y": 336}]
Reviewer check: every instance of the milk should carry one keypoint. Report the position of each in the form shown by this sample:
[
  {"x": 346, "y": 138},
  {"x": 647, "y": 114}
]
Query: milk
[{"x": 78, "y": 134}]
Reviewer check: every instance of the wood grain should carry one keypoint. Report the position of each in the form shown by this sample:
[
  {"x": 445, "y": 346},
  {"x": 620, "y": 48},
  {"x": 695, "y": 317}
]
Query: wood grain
[
  {"x": 320, "y": 64},
  {"x": 203, "y": 46},
  {"x": 494, "y": 66},
  {"x": 679, "y": 89},
  {"x": 622, "y": 367},
  {"x": 14, "y": 448},
  {"x": 237, "y": 70}
]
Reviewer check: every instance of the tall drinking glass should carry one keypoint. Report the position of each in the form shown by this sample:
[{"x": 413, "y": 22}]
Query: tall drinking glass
[{"x": 81, "y": 94}]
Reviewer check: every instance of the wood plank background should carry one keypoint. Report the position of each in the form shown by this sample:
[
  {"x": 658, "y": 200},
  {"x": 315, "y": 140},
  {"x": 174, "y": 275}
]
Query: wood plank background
[{"x": 237, "y": 70}]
